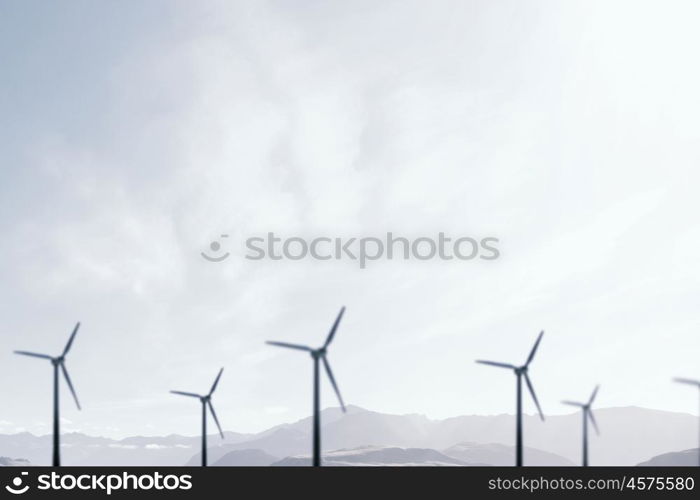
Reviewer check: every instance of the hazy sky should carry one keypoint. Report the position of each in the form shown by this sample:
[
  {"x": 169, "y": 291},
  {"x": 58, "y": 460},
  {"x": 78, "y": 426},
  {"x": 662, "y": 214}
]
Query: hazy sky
[{"x": 134, "y": 133}]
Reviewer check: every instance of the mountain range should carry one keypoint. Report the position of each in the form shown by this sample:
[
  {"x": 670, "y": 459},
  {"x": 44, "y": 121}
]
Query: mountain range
[
  {"x": 14, "y": 462},
  {"x": 685, "y": 458},
  {"x": 629, "y": 435},
  {"x": 463, "y": 454},
  {"x": 376, "y": 456}
]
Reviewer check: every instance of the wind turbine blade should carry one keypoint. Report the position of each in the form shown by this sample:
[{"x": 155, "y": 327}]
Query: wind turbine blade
[
  {"x": 689, "y": 381},
  {"x": 534, "y": 348},
  {"x": 70, "y": 384},
  {"x": 332, "y": 378},
  {"x": 534, "y": 396},
  {"x": 595, "y": 424},
  {"x": 495, "y": 363},
  {"x": 33, "y": 354},
  {"x": 331, "y": 334},
  {"x": 216, "y": 382},
  {"x": 290, "y": 346},
  {"x": 573, "y": 403},
  {"x": 190, "y": 394},
  {"x": 213, "y": 414},
  {"x": 595, "y": 393},
  {"x": 70, "y": 340}
]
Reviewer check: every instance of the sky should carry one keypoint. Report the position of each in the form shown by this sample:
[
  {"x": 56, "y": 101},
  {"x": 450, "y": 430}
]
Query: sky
[{"x": 135, "y": 133}]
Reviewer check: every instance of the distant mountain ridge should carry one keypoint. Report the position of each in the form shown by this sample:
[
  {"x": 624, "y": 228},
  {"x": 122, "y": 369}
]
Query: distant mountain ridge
[
  {"x": 488, "y": 439},
  {"x": 81, "y": 449},
  {"x": 463, "y": 454},
  {"x": 502, "y": 455},
  {"x": 14, "y": 462},
  {"x": 685, "y": 458},
  {"x": 245, "y": 458},
  {"x": 620, "y": 441},
  {"x": 378, "y": 456}
]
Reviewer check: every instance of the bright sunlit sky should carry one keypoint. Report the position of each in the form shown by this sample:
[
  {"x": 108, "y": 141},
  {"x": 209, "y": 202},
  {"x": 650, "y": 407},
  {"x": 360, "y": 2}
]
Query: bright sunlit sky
[{"x": 134, "y": 133}]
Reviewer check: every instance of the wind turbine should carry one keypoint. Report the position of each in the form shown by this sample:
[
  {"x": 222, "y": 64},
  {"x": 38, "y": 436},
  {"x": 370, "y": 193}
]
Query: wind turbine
[
  {"x": 318, "y": 354},
  {"x": 696, "y": 383},
  {"x": 587, "y": 415},
  {"x": 206, "y": 402},
  {"x": 520, "y": 373},
  {"x": 57, "y": 362}
]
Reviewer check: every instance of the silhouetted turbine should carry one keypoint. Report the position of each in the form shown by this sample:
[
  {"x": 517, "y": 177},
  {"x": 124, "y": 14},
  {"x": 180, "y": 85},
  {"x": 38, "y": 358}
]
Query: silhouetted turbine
[
  {"x": 520, "y": 372},
  {"x": 696, "y": 383},
  {"x": 57, "y": 362},
  {"x": 587, "y": 415},
  {"x": 316, "y": 355},
  {"x": 206, "y": 402}
]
